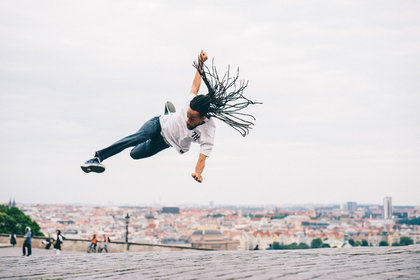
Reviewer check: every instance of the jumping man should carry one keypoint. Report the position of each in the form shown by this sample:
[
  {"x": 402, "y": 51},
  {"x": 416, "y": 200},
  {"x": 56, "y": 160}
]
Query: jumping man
[{"x": 193, "y": 123}]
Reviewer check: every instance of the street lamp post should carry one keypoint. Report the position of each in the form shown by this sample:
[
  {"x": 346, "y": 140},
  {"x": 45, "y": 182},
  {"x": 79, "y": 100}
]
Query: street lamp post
[{"x": 127, "y": 221}]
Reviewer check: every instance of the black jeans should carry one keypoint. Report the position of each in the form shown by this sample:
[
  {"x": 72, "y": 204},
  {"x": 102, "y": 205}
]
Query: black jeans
[
  {"x": 147, "y": 141},
  {"x": 26, "y": 245}
]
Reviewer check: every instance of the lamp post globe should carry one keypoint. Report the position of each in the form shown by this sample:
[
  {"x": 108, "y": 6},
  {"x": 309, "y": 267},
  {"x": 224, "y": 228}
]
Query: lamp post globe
[{"x": 127, "y": 219}]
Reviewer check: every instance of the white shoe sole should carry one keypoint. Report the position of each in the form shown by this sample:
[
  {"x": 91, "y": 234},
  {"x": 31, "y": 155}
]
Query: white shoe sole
[{"x": 169, "y": 107}]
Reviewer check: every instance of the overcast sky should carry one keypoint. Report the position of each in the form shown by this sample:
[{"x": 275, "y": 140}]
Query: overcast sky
[{"x": 339, "y": 81}]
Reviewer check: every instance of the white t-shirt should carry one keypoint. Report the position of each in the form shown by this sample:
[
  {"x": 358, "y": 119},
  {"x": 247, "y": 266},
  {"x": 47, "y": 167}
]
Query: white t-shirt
[
  {"x": 58, "y": 237},
  {"x": 177, "y": 134}
]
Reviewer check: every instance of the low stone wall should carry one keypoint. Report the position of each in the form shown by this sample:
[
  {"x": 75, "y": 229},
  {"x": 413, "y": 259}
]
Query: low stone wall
[{"x": 81, "y": 245}]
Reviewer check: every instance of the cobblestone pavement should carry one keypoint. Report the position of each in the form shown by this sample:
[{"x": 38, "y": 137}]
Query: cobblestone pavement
[{"x": 361, "y": 263}]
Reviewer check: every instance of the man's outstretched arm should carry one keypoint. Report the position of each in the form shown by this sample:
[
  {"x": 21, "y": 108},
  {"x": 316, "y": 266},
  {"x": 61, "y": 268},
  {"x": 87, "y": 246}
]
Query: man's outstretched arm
[
  {"x": 199, "y": 168},
  {"x": 197, "y": 79}
]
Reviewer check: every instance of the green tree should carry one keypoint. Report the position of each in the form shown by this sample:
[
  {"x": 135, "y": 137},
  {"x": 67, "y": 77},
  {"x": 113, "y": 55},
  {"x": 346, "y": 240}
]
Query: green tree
[
  {"x": 357, "y": 243},
  {"x": 404, "y": 241},
  {"x": 276, "y": 245},
  {"x": 219, "y": 215},
  {"x": 351, "y": 242},
  {"x": 281, "y": 216},
  {"x": 383, "y": 243},
  {"x": 316, "y": 243},
  {"x": 325, "y": 245},
  {"x": 13, "y": 220},
  {"x": 364, "y": 243},
  {"x": 293, "y": 246},
  {"x": 7, "y": 223},
  {"x": 303, "y": 246}
]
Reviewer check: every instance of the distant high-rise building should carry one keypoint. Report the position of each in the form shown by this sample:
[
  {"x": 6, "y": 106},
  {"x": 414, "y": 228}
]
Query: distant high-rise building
[
  {"x": 388, "y": 207},
  {"x": 351, "y": 206}
]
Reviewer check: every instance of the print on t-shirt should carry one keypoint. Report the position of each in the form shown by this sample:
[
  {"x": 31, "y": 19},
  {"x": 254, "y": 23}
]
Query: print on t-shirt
[{"x": 195, "y": 136}]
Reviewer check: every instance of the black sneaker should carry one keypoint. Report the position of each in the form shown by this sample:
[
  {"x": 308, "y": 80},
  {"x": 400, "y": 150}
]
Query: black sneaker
[
  {"x": 93, "y": 165},
  {"x": 169, "y": 107}
]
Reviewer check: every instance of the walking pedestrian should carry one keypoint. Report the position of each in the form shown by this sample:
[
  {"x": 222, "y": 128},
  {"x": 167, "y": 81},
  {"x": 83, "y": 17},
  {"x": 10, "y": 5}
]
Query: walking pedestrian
[
  {"x": 58, "y": 242},
  {"x": 13, "y": 239},
  {"x": 94, "y": 242},
  {"x": 27, "y": 242}
]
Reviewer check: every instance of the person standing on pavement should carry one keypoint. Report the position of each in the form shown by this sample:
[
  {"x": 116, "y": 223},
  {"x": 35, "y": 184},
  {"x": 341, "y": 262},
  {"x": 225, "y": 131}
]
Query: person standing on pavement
[
  {"x": 58, "y": 242},
  {"x": 106, "y": 242},
  {"x": 27, "y": 243},
  {"x": 13, "y": 239}
]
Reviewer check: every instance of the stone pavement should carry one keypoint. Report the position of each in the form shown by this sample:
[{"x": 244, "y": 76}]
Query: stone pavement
[
  {"x": 16, "y": 251},
  {"x": 361, "y": 263}
]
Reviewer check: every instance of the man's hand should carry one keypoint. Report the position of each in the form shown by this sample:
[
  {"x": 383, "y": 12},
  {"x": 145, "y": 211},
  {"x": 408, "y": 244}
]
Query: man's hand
[
  {"x": 202, "y": 57},
  {"x": 199, "y": 168},
  {"x": 197, "y": 177}
]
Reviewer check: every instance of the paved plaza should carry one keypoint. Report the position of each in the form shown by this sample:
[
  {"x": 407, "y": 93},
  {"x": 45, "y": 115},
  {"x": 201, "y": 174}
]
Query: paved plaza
[{"x": 352, "y": 263}]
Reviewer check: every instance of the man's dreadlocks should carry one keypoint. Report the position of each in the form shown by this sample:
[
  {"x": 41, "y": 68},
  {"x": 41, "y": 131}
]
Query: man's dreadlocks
[{"x": 224, "y": 100}]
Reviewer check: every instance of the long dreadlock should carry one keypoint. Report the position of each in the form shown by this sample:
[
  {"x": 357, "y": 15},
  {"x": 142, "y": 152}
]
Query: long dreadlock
[{"x": 225, "y": 99}]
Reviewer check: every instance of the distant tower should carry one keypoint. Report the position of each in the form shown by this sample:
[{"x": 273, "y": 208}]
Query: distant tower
[
  {"x": 13, "y": 203},
  {"x": 351, "y": 206},
  {"x": 387, "y": 207},
  {"x": 10, "y": 202}
]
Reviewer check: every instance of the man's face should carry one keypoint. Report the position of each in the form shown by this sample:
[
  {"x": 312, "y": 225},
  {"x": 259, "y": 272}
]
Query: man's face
[{"x": 194, "y": 119}]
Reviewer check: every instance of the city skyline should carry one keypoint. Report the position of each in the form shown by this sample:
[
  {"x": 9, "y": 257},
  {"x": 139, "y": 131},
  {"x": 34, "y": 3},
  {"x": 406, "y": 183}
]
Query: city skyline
[
  {"x": 248, "y": 226},
  {"x": 214, "y": 205},
  {"x": 338, "y": 82}
]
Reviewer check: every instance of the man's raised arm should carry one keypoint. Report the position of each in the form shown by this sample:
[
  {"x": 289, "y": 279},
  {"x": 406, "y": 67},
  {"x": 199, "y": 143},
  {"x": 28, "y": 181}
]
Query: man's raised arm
[
  {"x": 199, "y": 168},
  {"x": 197, "y": 79}
]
